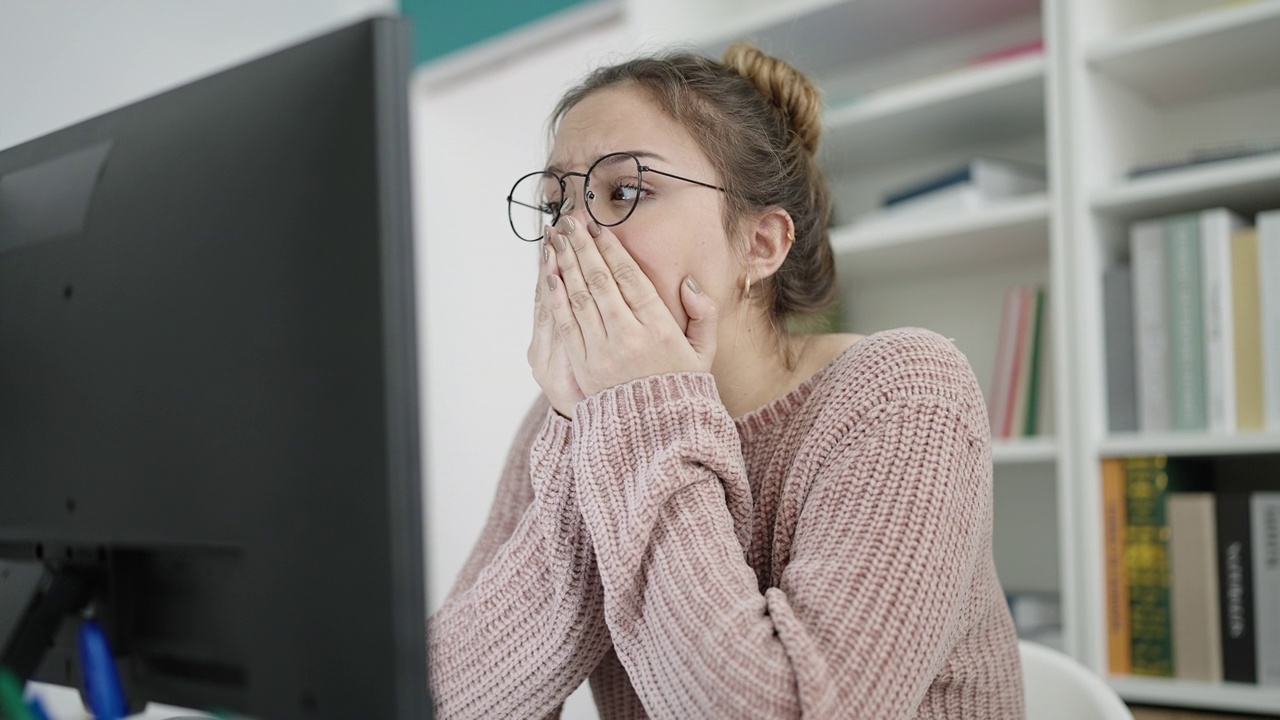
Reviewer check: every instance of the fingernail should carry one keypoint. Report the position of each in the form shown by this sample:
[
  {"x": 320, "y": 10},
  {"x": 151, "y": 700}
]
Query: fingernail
[
  {"x": 693, "y": 285},
  {"x": 568, "y": 225},
  {"x": 593, "y": 228},
  {"x": 552, "y": 282},
  {"x": 546, "y": 254}
]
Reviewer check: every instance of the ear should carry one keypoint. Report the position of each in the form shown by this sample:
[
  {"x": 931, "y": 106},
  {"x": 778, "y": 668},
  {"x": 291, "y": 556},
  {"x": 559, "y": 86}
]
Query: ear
[{"x": 770, "y": 240}]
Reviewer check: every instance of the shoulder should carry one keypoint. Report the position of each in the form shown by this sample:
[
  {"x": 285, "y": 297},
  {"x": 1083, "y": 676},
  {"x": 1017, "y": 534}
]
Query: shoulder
[{"x": 899, "y": 367}]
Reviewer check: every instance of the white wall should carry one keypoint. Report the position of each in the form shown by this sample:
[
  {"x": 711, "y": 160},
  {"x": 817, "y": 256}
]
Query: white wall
[
  {"x": 62, "y": 61},
  {"x": 473, "y": 137}
]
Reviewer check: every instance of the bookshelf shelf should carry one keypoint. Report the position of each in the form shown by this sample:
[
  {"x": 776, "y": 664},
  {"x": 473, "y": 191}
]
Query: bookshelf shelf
[
  {"x": 1009, "y": 232},
  {"x": 1247, "y": 184},
  {"x": 1024, "y": 451},
  {"x": 1127, "y": 445},
  {"x": 1188, "y": 693},
  {"x": 1209, "y": 53},
  {"x": 962, "y": 107}
]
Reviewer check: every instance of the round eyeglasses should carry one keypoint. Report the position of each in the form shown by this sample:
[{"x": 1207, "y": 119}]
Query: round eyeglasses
[{"x": 612, "y": 188}]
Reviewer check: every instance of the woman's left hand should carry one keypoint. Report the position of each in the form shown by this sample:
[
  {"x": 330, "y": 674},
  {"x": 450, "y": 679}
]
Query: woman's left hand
[{"x": 610, "y": 318}]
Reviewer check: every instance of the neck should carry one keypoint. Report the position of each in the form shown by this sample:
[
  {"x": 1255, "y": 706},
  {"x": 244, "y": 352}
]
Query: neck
[{"x": 750, "y": 367}]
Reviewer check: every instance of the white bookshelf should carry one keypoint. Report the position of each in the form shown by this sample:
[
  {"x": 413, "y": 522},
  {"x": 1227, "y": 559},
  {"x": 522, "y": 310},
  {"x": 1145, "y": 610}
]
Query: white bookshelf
[
  {"x": 1189, "y": 444},
  {"x": 1012, "y": 232},
  {"x": 1230, "y": 697},
  {"x": 1215, "y": 51},
  {"x": 1026, "y": 451},
  {"x": 954, "y": 108},
  {"x": 1243, "y": 181},
  {"x": 1120, "y": 83}
]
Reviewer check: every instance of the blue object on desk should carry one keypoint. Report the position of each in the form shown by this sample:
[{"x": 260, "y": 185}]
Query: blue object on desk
[{"x": 103, "y": 693}]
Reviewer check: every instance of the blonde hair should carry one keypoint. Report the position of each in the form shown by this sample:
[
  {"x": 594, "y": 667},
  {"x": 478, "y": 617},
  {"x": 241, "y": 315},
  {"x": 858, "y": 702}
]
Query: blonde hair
[{"x": 758, "y": 120}]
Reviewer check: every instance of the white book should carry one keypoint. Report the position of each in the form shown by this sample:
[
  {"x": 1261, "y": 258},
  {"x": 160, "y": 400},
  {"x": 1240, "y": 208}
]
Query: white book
[
  {"x": 1264, "y": 511},
  {"x": 1217, "y": 226},
  {"x": 1150, "y": 325},
  {"x": 1269, "y": 294}
]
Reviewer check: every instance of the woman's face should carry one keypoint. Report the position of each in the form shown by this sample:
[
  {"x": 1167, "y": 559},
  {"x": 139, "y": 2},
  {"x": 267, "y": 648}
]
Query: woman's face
[{"x": 676, "y": 229}]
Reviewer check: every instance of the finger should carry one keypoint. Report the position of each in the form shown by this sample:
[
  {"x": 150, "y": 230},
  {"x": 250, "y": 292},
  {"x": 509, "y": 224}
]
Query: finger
[
  {"x": 540, "y": 347},
  {"x": 704, "y": 317},
  {"x": 634, "y": 287},
  {"x": 566, "y": 328},
  {"x": 613, "y": 309},
  {"x": 580, "y": 298}
]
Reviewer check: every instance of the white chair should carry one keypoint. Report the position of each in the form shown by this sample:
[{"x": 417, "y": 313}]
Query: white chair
[{"x": 1059, "y": 688}]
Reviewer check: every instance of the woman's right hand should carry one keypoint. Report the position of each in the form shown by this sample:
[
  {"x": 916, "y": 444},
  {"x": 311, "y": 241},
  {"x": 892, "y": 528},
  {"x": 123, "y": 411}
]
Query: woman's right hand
[{"x": 547, "y": 356}]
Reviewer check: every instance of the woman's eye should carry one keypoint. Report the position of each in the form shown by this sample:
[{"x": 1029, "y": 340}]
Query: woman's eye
[{"x": 625, "y": 193}]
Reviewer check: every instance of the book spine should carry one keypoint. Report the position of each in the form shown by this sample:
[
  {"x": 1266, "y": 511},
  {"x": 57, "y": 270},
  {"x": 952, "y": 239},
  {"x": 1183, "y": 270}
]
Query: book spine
[
  {"x": 1122, "y": 393},
  {"x": 999, "y": 392},
  {"x": 1246, "y": 316},
  {"x": 1193, "y": 582},
  {"x": 1033, "y": 377},
  {"x": 1014, "y": 402},
  {"x": 1114, "y": 517},
  {"x": 1146, "y": 560},
  {"x": 1235, "y": 588},
  {"x": 1265, "y": 520},
  {"x": 1216, "y": 228},
  {"x": 1183, "y": 297},
  {"x": 1269, "y": 289},
  {"x": 933, "y": 185},
  {"x": 1151, "y": 338}
]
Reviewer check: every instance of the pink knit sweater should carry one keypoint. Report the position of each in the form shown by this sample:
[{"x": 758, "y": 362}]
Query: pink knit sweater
[{"x": 826, "y": 556}]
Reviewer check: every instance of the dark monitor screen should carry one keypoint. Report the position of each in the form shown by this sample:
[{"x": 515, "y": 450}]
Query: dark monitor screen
[{"x": 208, "y": 393}]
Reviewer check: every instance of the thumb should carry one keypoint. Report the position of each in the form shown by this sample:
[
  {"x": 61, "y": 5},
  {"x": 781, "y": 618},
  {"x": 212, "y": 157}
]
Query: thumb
[{"x": 703, "y": 318}]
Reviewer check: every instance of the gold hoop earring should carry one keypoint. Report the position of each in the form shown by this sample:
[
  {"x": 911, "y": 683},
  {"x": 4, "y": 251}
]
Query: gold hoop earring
[{"x": 746, "y": 287}]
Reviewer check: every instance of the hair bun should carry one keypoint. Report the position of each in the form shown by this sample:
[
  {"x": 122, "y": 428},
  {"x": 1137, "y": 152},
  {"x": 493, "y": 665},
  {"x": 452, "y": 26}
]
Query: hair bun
[{"x": 787, "y": 88}]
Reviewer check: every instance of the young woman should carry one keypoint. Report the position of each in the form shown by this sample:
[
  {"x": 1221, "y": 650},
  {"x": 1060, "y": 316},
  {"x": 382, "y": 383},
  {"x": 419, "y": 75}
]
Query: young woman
[{"x": 709, "y": 516}]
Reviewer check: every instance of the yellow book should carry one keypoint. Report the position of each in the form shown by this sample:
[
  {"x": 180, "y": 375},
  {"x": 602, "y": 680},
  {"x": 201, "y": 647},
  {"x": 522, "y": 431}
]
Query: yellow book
[
  {"x": 1247, "y": 309},
  {"x": 1114, "y": 522}
]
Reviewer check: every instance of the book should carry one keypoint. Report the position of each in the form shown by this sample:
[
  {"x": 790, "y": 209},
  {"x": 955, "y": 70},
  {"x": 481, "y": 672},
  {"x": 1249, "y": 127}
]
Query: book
[
  {"x": 1114, "y": 521},
  {"x": 1122, "y": 391},
  {"x": 1148, "y": 482},
  {"x": 1269, "y": 301},
  {"x": 1193, "y": 581},
  {"x": 1247, "y": 332},
  {"x": 1264, "y": 510},
  {"x": 1206, "y": 155},
  {"x": 1217, "y": 226},
  {"x": 1235, "y": 588},
  {"x": 974, "y": 184},
  {"x": 1184, "y": 303},
  {"x": 1035, "y": 344},
  {"x": 1015, "y": 403},
  {"x": 1150, "y": 320},
  {"x": 998, "y": 395}
]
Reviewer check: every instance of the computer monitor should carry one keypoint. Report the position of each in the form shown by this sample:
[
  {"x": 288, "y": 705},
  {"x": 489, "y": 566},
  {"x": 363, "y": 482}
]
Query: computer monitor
[{"x": 209, "y": 424}]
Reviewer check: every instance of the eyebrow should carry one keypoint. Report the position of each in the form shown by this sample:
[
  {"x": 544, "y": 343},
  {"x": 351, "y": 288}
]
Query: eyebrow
[{"x": 639, "y": 154}]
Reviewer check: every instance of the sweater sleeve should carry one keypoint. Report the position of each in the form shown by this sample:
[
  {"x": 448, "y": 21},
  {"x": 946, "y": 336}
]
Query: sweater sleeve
[
  {"x": 887, "y": 540},
  {"x": 523, "y": 626}
]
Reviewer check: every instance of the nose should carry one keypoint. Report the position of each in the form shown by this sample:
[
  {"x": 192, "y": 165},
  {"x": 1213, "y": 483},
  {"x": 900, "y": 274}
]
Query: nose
[{"x": 574, "y": 204}]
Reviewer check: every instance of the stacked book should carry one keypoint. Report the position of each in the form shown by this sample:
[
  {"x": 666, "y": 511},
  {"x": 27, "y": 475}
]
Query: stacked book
[
  {"x": 1193, "y": 325},
  {"x": 1014, "y": 405},
  {"x": 1192, "y": 577},
  {"x": 975, "y": 185}
]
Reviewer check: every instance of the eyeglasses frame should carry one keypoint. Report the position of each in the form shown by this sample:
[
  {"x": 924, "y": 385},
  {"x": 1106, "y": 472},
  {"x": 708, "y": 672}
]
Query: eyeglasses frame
[{"x": 586, "y": 190}]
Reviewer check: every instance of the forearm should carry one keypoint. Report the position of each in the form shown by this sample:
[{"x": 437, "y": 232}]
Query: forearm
[{"x": 530, "y": 628}]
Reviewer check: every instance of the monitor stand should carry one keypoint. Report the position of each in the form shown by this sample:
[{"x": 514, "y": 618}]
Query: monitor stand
[{"x": 34, "y": 603}]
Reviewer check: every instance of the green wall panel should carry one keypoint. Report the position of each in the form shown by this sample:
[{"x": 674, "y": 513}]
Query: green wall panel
[{"x": 443, "y": 26}]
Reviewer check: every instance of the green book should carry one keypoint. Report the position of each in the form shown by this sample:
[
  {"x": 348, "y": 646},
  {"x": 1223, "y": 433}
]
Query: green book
[
  {"x": 1037, "y": 358},
  {"x": 1186, "y": 323},
  {"x": 1148, "y": 482}
]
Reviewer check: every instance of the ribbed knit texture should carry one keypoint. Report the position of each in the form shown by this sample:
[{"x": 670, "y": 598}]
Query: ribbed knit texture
[{"x": 826, "y": 556}]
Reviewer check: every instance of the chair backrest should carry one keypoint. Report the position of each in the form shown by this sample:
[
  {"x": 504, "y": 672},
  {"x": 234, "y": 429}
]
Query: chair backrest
[{"x": 1059, "y": 688}]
